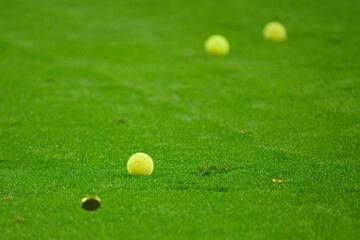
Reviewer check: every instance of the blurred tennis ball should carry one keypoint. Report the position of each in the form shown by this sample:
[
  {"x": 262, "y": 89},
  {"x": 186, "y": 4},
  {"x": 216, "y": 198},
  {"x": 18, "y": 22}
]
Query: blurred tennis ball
[
  {"x": 140, "y": 164},
  {"x": 274, "y": 32},
  {"x": 217, "y": 45}
]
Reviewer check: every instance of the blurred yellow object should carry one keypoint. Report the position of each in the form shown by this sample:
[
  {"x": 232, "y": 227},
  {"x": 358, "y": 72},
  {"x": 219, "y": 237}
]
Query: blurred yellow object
[
  {"x": 275, "y": 32},
  {"x": 217, "y": 45},
  {"x": 140, "y": 164},
  {"x": 277, "y": 180}
]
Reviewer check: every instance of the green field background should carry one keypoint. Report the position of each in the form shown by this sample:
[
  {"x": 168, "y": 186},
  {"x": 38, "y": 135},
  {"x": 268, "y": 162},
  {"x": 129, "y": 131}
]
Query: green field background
[{"x": 85, "y": 84}]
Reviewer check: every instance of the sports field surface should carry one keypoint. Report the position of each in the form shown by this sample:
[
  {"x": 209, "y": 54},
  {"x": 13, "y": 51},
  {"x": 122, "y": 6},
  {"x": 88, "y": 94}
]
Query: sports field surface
[{"x": 84, "y": 84}]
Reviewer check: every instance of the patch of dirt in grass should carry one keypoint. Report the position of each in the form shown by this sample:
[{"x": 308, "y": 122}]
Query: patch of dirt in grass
[
  {"x": 244, "y": 132},
  {"x": 205, "y": 170},
  {"x": 19, "y": 219},
  {"x": 8, "y": 199}
]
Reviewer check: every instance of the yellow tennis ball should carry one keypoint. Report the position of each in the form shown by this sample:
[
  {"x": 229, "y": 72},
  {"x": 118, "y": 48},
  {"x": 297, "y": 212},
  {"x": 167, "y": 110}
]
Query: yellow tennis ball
[
  {"x": 217, "y": 45},
  {"x": 140, "y": 164},
  {"x": 274, "y": 32}
]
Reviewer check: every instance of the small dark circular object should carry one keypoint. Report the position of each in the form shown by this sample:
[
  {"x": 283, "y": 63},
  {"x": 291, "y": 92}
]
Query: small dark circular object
[{"x": 90, "y": 203}]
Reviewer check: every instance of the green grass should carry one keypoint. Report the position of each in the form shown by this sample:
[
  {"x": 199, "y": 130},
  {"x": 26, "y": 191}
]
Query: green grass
[{"x": 85, "y": 84}]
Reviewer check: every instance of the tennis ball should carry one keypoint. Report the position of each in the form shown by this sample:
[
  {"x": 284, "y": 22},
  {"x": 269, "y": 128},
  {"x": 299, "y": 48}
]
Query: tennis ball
[
  {"x": 140, "y": 164},
  {"x": 274, "y": 32},
  {"x": 217, "y": 45}
]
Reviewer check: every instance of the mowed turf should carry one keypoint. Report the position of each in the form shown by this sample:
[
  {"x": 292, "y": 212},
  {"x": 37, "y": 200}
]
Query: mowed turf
[{"x": 85, "y": 84}]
